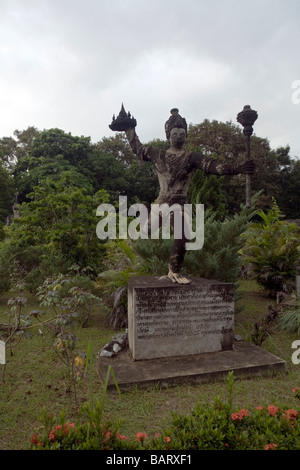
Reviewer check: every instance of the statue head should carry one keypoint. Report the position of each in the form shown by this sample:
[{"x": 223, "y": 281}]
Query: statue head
[
  {"x": 177, "y": 137},
  {"x": 175, "y": 121}
]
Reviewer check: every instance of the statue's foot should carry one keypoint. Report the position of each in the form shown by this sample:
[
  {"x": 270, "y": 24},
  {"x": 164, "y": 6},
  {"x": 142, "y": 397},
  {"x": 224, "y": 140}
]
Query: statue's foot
[{"x": 178, "y": 278}]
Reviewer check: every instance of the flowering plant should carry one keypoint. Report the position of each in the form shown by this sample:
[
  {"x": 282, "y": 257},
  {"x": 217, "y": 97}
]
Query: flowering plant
[{"x": 212, "y": 426}]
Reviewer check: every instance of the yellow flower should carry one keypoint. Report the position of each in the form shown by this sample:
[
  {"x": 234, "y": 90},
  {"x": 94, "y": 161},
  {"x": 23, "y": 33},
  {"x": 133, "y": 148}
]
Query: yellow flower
[
  {"x": 78, "y": 361},
  {"x": 59, "y": 344}
]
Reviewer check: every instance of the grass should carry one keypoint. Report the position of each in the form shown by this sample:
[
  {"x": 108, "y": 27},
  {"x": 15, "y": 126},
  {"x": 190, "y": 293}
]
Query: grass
[{"x": 35, "y": 380}]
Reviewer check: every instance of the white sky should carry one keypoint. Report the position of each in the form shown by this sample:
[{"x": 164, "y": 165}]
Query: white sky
[{"x": 71, "y": 63}]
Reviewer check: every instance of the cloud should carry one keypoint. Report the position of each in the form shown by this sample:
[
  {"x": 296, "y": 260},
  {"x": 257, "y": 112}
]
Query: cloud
[{"x": 70, "y": 64}]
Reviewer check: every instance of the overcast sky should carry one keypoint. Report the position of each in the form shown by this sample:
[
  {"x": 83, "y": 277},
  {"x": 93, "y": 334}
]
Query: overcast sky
[{"x": 71, "y": 63}]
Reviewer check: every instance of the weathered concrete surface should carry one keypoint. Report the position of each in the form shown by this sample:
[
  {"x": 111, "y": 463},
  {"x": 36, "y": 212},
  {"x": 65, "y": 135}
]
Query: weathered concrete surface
[
  {"x": 167, "y": 320},
  {"x": 245, "y": 360}
]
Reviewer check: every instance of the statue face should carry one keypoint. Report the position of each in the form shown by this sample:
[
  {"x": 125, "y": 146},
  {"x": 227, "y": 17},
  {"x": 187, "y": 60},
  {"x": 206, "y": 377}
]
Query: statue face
[{"x": 177, "y": 137}]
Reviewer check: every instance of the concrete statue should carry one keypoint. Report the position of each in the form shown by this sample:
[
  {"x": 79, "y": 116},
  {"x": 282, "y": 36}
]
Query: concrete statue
[{"x": 175, "y": 168}]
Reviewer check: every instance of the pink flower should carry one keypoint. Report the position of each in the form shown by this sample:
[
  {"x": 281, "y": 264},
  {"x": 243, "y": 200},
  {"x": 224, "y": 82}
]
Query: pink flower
[
  {"x": 108, "y": 434},
  {"x": 167, "y": 439},
  {"x": 239, "y": 415},
  {"x": 291, "y": 415},
  {"x": 270, "y": 446},
  {"x": 122, "y": 437},
  {"x": 272, "y": 410},
  {"x": 68, "y": 426},
  {"x": 141, "y": 436},
  {"x": 51, "y": 435}
]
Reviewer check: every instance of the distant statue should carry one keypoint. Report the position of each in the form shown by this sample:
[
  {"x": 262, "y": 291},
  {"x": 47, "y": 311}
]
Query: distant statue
[{"x": 175, "y": 168}]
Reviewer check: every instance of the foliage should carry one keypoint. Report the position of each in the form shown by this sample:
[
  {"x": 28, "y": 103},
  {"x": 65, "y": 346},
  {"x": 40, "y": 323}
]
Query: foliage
[
  {"x": 69, "y": 294},
  {"x": 208, "y": 190},
  {"x": 122, "y": 263},
  {"x": 68, "y": 303},
  {"x": 290, "y": 319},
  {"x": 213, "y": 426},
  {"x": 7, "y": 196},
  {"x": 13, "y": 330},
  {"x": 218, "y": 259},
  {"x": 59, "y": 224},
  {"x": 272, "y": 251},
  {"x": 89, "y": 433},
  {"x": 217, "y": 427},
  {"x": 226, "y": 142},
  {"x": 115, "y": 169},
  {"x": 52, "y": 154},
  {"x": 288, "y": 197}
]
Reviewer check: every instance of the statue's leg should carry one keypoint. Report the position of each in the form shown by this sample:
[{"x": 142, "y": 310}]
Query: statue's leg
[{"x": 177, "y": 255}]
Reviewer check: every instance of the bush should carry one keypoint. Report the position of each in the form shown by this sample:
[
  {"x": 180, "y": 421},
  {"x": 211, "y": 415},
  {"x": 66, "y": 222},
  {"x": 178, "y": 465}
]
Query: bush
[
  {"x": 290, "y": 320},
  {"x": 210, "y": 427},
  {"x": 219, "y": 257},
  {"x": 272, "y": 251},
  {"x": 216, "y": 427}
]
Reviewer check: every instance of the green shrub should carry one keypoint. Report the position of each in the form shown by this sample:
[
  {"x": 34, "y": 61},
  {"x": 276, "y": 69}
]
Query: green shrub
[
  {"x": 216, "y": 427},
  {"x": 290, "y": 320},
  {"x": 219, "y": 257},
  {"x": 272, "y": 251},
  {"x": 213, "y": 426}
]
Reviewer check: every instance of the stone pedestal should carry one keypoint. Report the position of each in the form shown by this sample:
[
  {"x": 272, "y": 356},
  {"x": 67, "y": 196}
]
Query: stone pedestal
[{"x": 171, "y": 320}]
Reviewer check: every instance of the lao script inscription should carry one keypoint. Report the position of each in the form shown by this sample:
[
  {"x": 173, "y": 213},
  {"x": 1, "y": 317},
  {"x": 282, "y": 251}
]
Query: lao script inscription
[
  {"x": 164, "y": 313},
  {"x": 174, "y": 320}
]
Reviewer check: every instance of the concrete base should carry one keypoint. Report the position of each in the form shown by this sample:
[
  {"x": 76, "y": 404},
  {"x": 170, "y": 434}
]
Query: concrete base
[{"x": 245, "y": 360}]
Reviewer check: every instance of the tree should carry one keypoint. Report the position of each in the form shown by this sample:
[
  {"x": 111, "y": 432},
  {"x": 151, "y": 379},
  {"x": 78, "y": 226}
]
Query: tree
[
  {"x": 226, "y": 142},
  {"x": 272, "y": 251},
  {"x": 55, "y": 230},
  {"x": 53, "y": 153},
  {"x": 208, "y": 190},
  {"x": 115, "y": 169},
  {"x": 7, "y": 195},
  {"x": 13, "y": 149},
  {"x": 289, "y": 195}
]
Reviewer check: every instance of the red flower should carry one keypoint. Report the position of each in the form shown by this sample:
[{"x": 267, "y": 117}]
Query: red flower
[
  {"x": 291, "y": 415},
  {"x": 34, "y": 439},
  {"x": 122, "y": 437},
  {"x": 51, "y": 436},
  {"x": 167, "y": 439},
  {"x": 108, "y": 434},
  {"x": 239, "y": 415},
  {"x": 272, "y": 410},
  {"x": 271, "y": 447},
  {"x": 141, "y": 436}
]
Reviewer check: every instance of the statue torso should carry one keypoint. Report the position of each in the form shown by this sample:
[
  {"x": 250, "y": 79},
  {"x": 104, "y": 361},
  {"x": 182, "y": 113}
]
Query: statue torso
[{"x": 174, "y": 174}]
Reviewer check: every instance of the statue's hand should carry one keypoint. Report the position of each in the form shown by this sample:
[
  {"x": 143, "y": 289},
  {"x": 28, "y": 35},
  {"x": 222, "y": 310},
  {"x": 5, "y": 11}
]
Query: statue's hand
[
  {"x": 247, "y": 167},
  {"x": 178, "y": 278}
]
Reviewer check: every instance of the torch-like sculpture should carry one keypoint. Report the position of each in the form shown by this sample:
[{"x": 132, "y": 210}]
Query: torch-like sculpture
[
  {"x": 123, "y": 121},
  {"x": 247, "y": 118}
]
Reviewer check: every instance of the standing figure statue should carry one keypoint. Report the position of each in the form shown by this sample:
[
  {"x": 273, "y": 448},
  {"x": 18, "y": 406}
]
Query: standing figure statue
[{"x": 175, "y": 168}]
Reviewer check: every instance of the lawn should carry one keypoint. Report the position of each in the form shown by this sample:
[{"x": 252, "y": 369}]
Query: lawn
[{"x": 35, "y": 379}]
